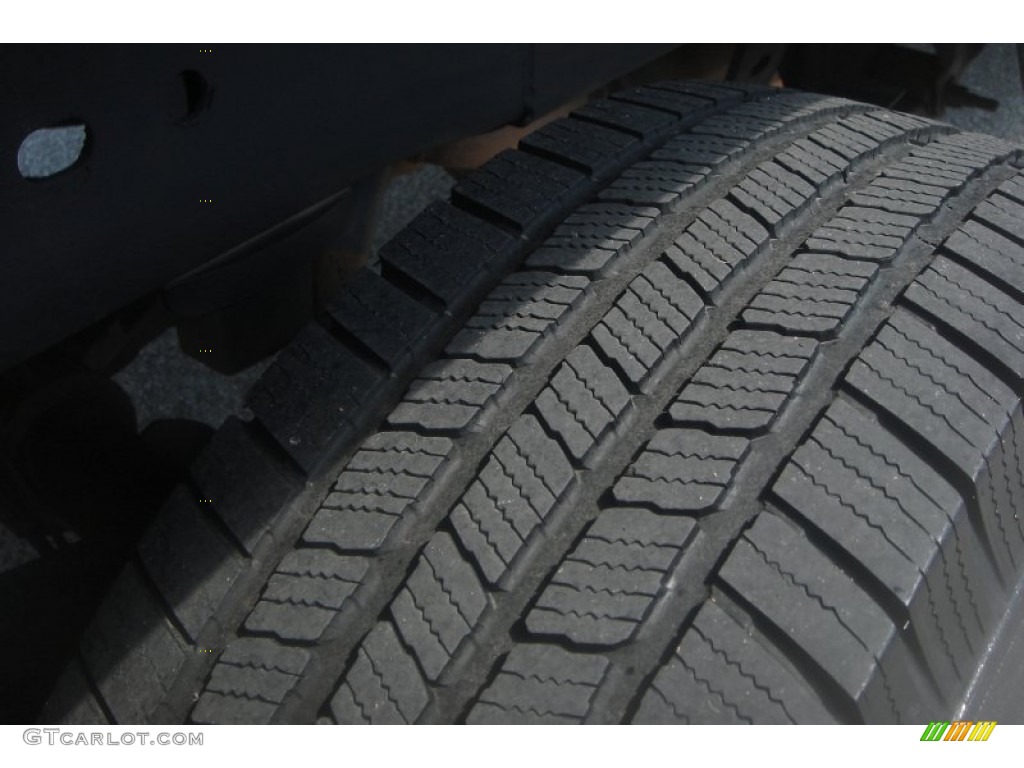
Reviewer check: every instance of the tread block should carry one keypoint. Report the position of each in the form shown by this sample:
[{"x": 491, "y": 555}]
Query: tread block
[
  {"x": 511, "y": 498},
  {"x": 646, "y": 321},
  {"x": 592, "y": 237},
  {"x": 247, "y": 485},
  {"x": 812, "y": 161},
  {"x": 518, "y": 313},
  {"x": 863, "y": 233},
  {"x": 594, "y": 149},
  {"x": 1004, "y": 214},
  {"x": 745, "y": 384},
  {"x": 131, "y": 651},
  {"x": 773, "y": 193},
  {"x": 878, "y": 129},
  {"x": 450, "y": 395},
  {"x": 715, "y": 244},
  {"x": 262, "y": 653},
  {"x": 682, "y": 105},
  {"x": 972, "y": 306},
  {"x": 640, "y": 121},
  {"x": 250, "y": 680},
  {"x": 189, "y": 561},
  {"x": 973, "y": 150},
  {"x": 305, "y": 592},
  {"x": 895, "y": 195},
  {"x": 521, "y": 191},
  {"x": 448, "y": 252},
  {"x": 439, "y": 605},
  {"x": 737, "y": 126},
  {"x": 681, "y": 470},
  {"x": 844, "y": 139},
  {"x": 999, "y": 257},
  {"x": 930, "y": 170},
  {"x": 796, "y": 588},
  {"x": 720, "y": 674},
  {"x": 383, "y": 686},
  {"x": 699, "y": 150},
  {"x": 691, "y": 101},
  {"x": 785, "y": 106},
  {"x": 306, "y": 396},
  {"x": 655, "y": 182},
  {"x": 950, "y": 161},
  {"x": 583, "y": 401},
  {"x": 904, "y": 523},
  {"x": 813, "y": 295},
  {"x": 383, "y": 318},
  {"x": 269, "y": 686},
  {"x": 382, "y": 484},
  {"x": 541, "y": 684},
  {"x": 903, "y": 120},
  {"x": 952, "y": 403},
  {"x": 607, "y": 585}
]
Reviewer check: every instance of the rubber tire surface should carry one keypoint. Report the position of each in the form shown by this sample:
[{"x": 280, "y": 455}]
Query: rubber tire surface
[{"x": 715, "y": 419}]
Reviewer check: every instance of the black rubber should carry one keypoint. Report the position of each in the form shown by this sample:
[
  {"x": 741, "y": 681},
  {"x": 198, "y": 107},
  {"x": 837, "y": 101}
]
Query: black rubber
[{"x": 715, "y": 420}]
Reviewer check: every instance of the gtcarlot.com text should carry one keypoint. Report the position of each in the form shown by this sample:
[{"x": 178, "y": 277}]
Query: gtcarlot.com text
[{"x": 77, "y": 738}]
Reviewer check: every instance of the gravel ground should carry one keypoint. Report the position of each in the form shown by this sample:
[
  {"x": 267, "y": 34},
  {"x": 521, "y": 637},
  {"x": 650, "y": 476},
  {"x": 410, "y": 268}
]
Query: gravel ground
[
  {"x": 996, "y": 74},
  {"x": 164, "y": 383}
]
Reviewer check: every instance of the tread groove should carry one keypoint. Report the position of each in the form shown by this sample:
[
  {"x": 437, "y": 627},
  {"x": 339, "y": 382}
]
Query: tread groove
[
  {"x": 157, "y": 597},
  {"x": 831, "y": 694},
  {"x": 932, "y": 457}
]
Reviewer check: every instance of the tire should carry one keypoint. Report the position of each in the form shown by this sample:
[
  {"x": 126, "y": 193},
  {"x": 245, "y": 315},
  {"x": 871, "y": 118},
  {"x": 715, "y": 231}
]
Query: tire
[{"x": 715, "y": 419}]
